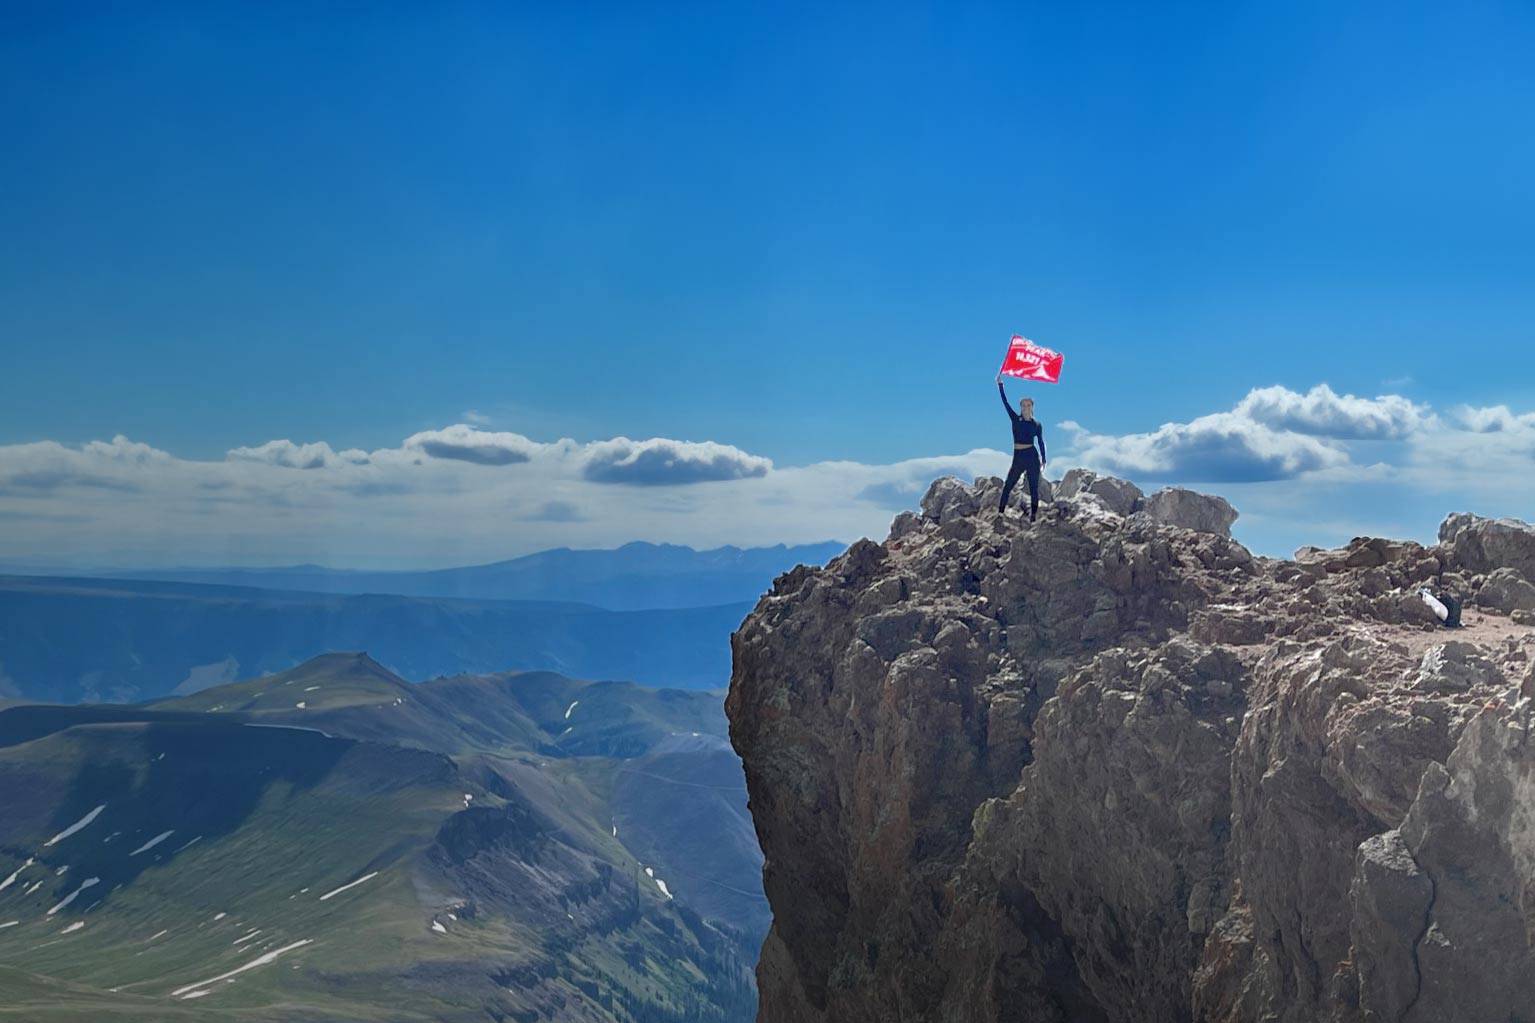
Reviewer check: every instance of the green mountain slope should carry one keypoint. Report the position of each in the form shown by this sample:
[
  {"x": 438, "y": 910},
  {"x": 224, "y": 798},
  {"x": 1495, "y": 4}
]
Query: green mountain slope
[{"x": 443, "y": 851}]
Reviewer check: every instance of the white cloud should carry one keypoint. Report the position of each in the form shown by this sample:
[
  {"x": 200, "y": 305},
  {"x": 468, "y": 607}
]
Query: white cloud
[
  {"x": 289, "y": 455},
  {"x": 453, "y": 495},
  {"x": 460, "y": 495},
  {"x": 1487, "y": 450},
  {"x": 1272, "y": 434},
  {"x": 659, "y": 461},
  {"x": 124, "y": 451},
  {"x": 1287, "y": 459},
  {"x": 1322, "y": 413},
  {"x": 47, "y": 466},
  {"x": 1225, "y": 447},
  {"x": 1494, "y": 419},
  {"x": 464, "y": 443}
]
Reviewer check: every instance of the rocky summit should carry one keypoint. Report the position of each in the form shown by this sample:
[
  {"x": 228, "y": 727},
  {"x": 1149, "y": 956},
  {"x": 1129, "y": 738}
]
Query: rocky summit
[{"x": 1111, "y": 766}]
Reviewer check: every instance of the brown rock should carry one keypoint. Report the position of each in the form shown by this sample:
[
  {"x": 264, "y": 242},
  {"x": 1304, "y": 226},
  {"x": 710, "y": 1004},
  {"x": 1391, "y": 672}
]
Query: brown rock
[
  {"x": 1507, "y": 591},
  {"x": 1115, "y": 769},
  {"x": 1482, "y": 545}
]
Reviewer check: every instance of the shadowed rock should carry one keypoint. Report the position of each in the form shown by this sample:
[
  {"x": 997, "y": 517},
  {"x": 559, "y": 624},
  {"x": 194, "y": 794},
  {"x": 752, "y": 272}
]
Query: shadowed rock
[
  {"x": 1506, "y": 590},
  {"x": 1111, "y": 767}
]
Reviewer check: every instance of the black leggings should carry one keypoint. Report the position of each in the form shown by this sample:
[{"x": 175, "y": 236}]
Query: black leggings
[{"x": 1025, "y": 460}]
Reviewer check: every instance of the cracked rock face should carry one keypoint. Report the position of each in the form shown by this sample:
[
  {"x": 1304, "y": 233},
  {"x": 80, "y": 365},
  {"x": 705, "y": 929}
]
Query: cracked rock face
[{"x": 1112, "y": 767}]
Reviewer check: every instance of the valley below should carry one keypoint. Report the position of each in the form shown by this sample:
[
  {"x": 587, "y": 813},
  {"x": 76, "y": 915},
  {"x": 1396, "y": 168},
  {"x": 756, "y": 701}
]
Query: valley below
[{"x": 335, "y": 843}]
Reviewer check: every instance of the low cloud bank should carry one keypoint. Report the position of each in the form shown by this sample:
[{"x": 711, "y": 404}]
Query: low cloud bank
[
  {"x": 661, "y": 462},
  {"x": 461, "y": 494}
]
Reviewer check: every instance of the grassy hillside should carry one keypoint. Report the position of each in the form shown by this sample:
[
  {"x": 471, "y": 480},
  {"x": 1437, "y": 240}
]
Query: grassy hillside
[{"x": 232, "y": 855}]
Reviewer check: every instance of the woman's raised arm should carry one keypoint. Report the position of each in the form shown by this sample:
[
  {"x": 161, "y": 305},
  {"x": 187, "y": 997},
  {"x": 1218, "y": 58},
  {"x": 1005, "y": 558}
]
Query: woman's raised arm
[{"x": 1002, "y": 390}]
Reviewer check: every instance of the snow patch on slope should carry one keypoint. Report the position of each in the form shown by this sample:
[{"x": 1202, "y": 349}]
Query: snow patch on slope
[
  {"x": 192, "y": 990},
  {"x": 354, "y": 884},
  {"x": 162, "y": 836},
  {"x": 87, "y": 883},
  {"x": 76, "y": 826},
  {"x": 12, "y": 879}
]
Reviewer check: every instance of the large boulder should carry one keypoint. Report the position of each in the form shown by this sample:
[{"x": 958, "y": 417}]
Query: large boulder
[
  {"x": 1120, "y": 496},
  {"x": 1506, "y": 590},
  {"x": 1482, "y": 545},
  {"x": 1453, "y": 523},
  {"x": 1204, "y": 513},
  {"x": 905, "y": 524},
  {"x": 1369, "y": 552},
  {"x": 949, "y": 498}
]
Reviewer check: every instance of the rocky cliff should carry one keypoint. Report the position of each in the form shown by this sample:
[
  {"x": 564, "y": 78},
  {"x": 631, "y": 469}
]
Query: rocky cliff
[{"x": 1110, "y": 766}]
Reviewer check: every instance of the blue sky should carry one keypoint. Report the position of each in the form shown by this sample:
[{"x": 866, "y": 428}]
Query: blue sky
[{"x": 802, "y": 233}]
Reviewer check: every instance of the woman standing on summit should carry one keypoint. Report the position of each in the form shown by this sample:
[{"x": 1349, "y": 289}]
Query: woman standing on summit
[{"x": 1026, "y": 432}]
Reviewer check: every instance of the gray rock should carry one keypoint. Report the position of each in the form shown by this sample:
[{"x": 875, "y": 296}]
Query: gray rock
[
  {"x": 1390, "y": 899},
  {"x": 1361, "y": 552},
  {"x": 988, "y": 490},
  {"x": 1089, "y": 771},
  {"x": 949, "y": 498},
  {"x": 1204, "y": 513},
  {"x": 1456, "y": 667},
  {"x": 1506, "y": 590},
  {"x": 1469, "y": 832},
  {"x": 1073, "y": 482},
  {"x": 1453, "y": 523},
  {"x": 1119, "y": 496},
  {"x": 905, "y": 523},
  {"x": 1482, "y": 545}
]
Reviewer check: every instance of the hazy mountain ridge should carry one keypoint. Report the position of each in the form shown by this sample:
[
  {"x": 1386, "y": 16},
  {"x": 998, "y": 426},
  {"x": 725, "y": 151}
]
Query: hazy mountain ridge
[
  {"x": 636, "y": 576},
  {"x": 454, "y": 874},
  {"x": 73, "y": 640}
]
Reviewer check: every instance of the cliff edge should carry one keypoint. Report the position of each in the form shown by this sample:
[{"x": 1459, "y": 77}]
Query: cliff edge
[{"x": 1110, "y": 766}]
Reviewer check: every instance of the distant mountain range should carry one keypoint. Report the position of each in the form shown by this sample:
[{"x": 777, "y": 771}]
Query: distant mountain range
[
  {"x": 636, "y": 576},
  {"x": 334, "y": 843},
  {"x": 115, "y": 640}
]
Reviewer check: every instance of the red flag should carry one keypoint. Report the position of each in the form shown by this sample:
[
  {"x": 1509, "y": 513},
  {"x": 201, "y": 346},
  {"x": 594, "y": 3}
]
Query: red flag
[{"x": 1030, "y": 361}]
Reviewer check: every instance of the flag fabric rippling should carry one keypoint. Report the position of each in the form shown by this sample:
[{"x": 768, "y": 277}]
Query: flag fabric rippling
[{"x": 1029, "y": 361}]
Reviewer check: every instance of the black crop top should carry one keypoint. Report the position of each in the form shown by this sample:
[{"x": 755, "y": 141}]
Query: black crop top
[{"x": 1025, "y": 431}]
